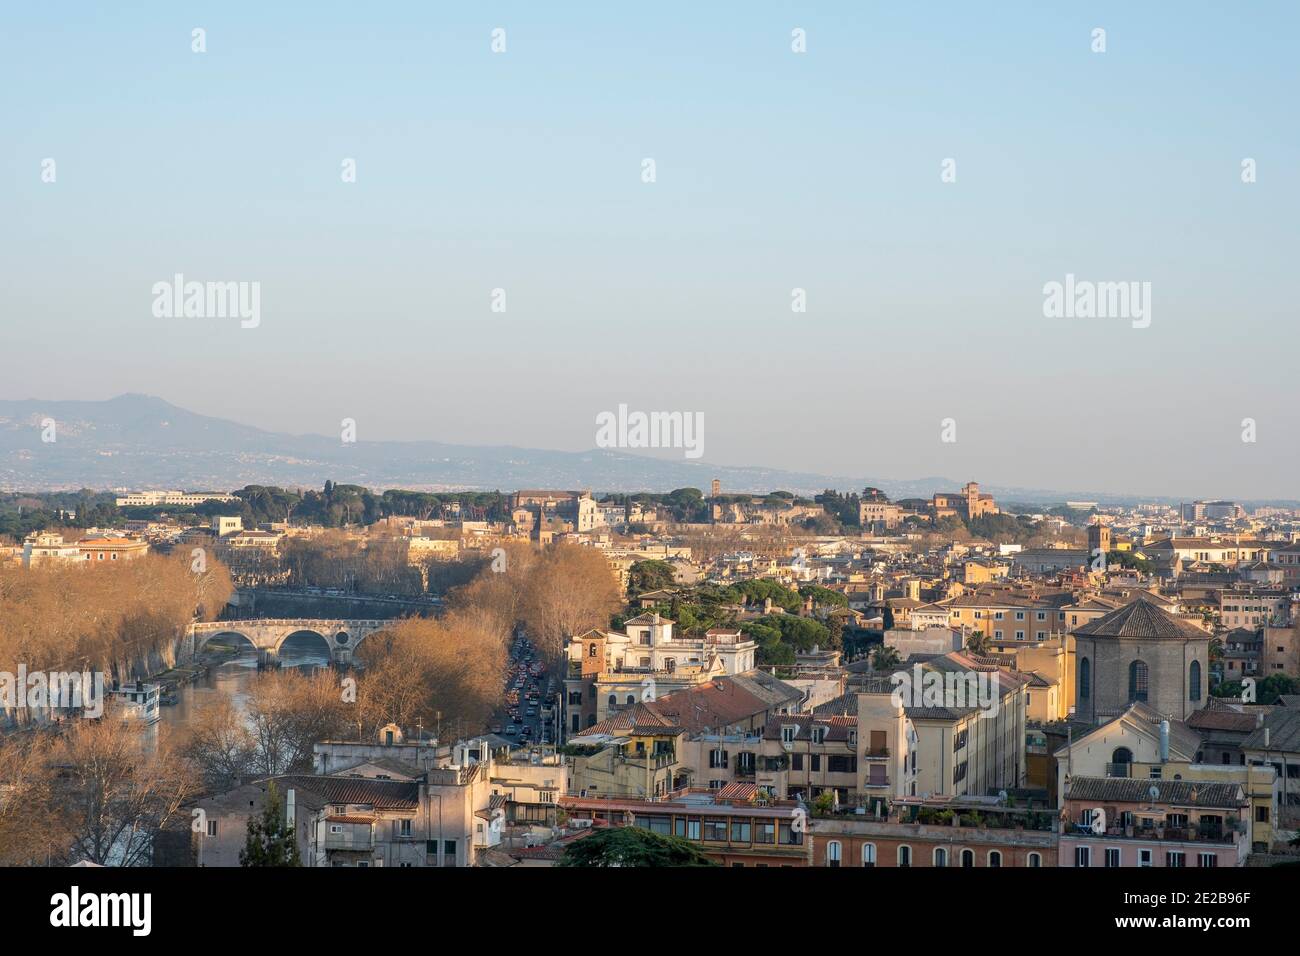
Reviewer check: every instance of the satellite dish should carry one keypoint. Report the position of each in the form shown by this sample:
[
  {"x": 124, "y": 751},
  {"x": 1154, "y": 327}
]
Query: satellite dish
[
  {"x": 1154, "y": 793},
  {"x": 1002, "y": 796}
]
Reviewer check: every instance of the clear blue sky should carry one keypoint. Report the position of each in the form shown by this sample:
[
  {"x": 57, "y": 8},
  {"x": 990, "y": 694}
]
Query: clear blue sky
[{"x": 775, "y": 170}]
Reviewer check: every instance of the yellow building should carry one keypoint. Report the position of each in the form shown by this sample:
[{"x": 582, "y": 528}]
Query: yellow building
[{"x": 633, "y": 753}]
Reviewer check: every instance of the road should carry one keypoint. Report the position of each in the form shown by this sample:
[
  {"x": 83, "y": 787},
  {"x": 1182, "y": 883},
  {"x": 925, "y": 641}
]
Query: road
[{"x": 525, "y": 716}]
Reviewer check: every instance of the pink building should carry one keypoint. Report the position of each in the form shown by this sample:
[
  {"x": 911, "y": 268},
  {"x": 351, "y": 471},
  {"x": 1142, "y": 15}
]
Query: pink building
[{"x": 1124, "y": 821}]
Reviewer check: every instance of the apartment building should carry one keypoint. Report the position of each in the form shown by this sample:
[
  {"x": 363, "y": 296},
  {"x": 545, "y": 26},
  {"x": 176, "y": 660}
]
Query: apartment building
[
  {"x": 1254, "y": 607},
  {"x": 635, "y": 752},
  {"x": 878, "y": 515},
  {"x": 968, "y": 749},
  {"x": 1276, "y": 743},
  {"x": 47, "y": 548},
  {"x": 937, "y": 832},
  {"x": 1012, "y": 613},
  {"x": 735, "y": 827},
  {"x": 967, "y": 504},
  {"x": 859, "y": 748},
  {"x": 1116, "y": 821},
  {"x": 611, "y": 670},
  {"x": 531, "y": 508},
  {"x": 1280, "y": 650},
  {"x": 112, "y": 549},
  {"x": 154, "y": 499},
  {"x": 1228, "y": 551}
]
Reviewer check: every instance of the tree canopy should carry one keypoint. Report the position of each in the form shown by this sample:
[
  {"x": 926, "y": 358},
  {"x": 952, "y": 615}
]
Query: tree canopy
[{"x": 632, "y": 846}]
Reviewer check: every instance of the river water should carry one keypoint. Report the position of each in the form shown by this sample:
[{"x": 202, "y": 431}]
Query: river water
[{"x": 235, "y": 677}]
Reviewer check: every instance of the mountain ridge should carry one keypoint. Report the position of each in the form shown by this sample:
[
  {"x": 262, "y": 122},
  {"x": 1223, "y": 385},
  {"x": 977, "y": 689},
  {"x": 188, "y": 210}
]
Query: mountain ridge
[{"x": 140, "y": 441}]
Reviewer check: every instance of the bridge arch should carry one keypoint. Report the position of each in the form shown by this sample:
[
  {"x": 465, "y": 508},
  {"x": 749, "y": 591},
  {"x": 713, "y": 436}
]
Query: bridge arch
[
  {"x": 338, "y": 638},
  {"x": 314, "y": 639},
  {"x": 203, "y": 639}
]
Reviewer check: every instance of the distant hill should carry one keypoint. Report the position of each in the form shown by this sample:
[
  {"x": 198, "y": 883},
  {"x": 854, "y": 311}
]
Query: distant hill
[{"x": 142, "y": 442}]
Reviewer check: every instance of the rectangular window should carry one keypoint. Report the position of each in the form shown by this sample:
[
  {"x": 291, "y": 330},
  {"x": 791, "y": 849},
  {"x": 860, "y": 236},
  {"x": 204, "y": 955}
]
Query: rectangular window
[
  {"x": 1112, "y": 857},
  {"x": 1082, "y": 856},
  {"x": 715, "y": 831},
  {"x": 739, "y": 831}
]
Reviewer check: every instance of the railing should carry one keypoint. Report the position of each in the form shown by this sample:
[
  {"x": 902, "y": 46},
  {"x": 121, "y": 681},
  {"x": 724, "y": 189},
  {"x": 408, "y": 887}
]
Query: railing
[
  {"x": 1190, "y": 834},
  {"x": 1118, "y": 769},
  {"x": 349, "y": 841},
  {"x": 657, "y": 760}
]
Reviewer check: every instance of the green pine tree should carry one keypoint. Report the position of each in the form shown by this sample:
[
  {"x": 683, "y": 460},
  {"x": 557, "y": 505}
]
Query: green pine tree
[{"x": 270, "y": 841}]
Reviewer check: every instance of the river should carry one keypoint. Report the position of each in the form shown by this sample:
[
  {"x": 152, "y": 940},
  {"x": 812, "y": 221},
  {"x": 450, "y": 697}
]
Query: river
[{"x": 235, "y": 677}]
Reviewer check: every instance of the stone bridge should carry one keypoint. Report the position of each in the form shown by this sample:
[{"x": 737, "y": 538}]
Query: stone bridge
[{"x": 267, "y": 634}]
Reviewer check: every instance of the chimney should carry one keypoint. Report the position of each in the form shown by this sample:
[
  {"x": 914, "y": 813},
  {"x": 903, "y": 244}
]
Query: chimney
[{"x": 1164, "y": 741}]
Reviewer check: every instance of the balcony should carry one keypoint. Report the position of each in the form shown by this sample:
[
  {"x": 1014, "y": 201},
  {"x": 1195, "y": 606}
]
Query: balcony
[
  {"x": 657, "y": 761},
  {"x": 359, "y": 839},
  {"x": 1210, "y": 833}
]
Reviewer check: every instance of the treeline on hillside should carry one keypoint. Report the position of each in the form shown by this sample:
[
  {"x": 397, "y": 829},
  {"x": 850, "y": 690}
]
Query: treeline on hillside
[
  {"x": 339, "y": 505},
  {"x": 23, "y": 514}
]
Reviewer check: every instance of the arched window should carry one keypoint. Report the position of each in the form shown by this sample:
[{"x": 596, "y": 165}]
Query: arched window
[
  {"x": 591, "y": 651},
  {"x": 940, "y": 856},
  {"x": 968, "y": 858},
  {"x": 995, "y": 858},
  {"x": 1035, "y": 860},
  {"x": 1137, "y": 681},
  {"x": 613, "y": 700},
  {"x": 1194, "y": 680},
  {"x": 631, "y": 699},
  {"x": 1120, "y": 759},
  {"x": 904, "y": 856},
  {"x": 833, "y": 853},
  {"x": 869, "y": 855},
  {"x": 1085, "y": 678}
]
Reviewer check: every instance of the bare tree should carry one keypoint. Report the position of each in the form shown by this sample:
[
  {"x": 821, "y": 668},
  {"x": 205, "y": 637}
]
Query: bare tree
[
  {"x": 220, "y": 743},
  {"x": 571, "y": 590},
  {"x": 31, "y": 830},
  {"x": 289, "y": 713},
  {"x": 115, "y": 794}
]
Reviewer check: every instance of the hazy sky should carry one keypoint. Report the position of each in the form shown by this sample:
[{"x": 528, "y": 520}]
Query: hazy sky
[{"x": 775, "y": 170}]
